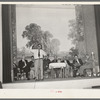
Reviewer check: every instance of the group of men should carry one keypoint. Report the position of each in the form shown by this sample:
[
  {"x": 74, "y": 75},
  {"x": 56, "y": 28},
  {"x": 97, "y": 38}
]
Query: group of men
[
  {"x": 74, "y": 64},
  {"x": 25, "y": 66},
  {"x": 36, "y": 65},
  {"x": 40, "y": 63}
]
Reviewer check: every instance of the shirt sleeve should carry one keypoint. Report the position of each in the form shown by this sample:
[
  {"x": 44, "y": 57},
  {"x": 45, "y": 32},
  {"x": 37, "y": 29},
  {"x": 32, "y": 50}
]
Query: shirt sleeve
[
  {"x": 44, "y": 53},
  {"x": 32, "y": 52}
]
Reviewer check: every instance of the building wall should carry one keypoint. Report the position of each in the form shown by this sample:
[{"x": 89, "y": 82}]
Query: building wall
[{"x": 0, "y": 45}]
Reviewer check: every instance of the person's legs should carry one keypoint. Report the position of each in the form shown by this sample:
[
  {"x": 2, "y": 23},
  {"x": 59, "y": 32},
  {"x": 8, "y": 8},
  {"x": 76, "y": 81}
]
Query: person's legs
[
  {"x": 52, "y": 74},
  {"x": 58, "y": 72},
  {"x": 27, "y": 75},
  {"x": 74, "y": 73},
  {"x": 71, "y": 72},
  {"x": 33, "y": 73},
  {"x": 15, "y": 73},
  {"x": 30, "y": 74},
  {"x": 36, "y": 68},
  {"x": 21, "y": 70},
  {"x": 41, "y": 68},
  {"x": 55, "y": 72},
  {"x": 67, "y": 73}
]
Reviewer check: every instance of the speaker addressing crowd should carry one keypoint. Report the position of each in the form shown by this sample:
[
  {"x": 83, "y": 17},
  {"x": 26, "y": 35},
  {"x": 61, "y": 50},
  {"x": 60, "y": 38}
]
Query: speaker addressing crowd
[{"x": 38, "y": 66}]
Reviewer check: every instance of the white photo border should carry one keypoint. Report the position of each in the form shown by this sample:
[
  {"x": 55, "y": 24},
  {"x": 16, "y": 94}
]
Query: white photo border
[{"x": 49, "y": 93}]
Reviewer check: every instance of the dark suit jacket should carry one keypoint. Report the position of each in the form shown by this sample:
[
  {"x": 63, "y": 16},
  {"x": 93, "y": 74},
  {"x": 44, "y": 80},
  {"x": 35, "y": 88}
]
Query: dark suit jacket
[
  {"x": 80, "y": 61},
  {"x": 21, "y": 64},
  {"x": 70, "y": 64},
  {"x": 46, "y": 63},
  {"x": 29, "y": 65}
]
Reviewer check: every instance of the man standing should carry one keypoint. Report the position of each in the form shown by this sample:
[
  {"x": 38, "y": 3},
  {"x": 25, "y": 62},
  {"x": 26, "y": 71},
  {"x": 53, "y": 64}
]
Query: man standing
[{"x": 38, "y": 63}]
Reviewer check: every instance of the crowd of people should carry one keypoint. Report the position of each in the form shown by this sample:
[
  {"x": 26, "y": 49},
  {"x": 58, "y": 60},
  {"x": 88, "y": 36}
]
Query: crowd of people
[{"x": 38, "y": 66}]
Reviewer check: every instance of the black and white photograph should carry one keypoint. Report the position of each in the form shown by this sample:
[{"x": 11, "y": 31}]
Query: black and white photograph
[{"x": 49, "y": 46}]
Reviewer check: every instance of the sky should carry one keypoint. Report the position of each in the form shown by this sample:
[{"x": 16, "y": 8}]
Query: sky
[{"x": 51, "y": 18}]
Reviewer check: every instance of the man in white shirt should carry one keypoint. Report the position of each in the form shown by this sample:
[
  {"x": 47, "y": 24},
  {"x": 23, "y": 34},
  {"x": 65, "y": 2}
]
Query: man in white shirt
[{"x": 38, "y": 56}]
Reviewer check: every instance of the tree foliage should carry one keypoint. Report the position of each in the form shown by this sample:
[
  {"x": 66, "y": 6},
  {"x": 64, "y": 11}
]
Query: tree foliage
[
  {"x": 46, "y": 41},
  {"x": 76, "y": 31},
  {"x": 35, "y": 35},
  {"x": 73, "y": 31},
  {"x": 55, "y": 43},
  {"x": 73, "y": 51}
]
